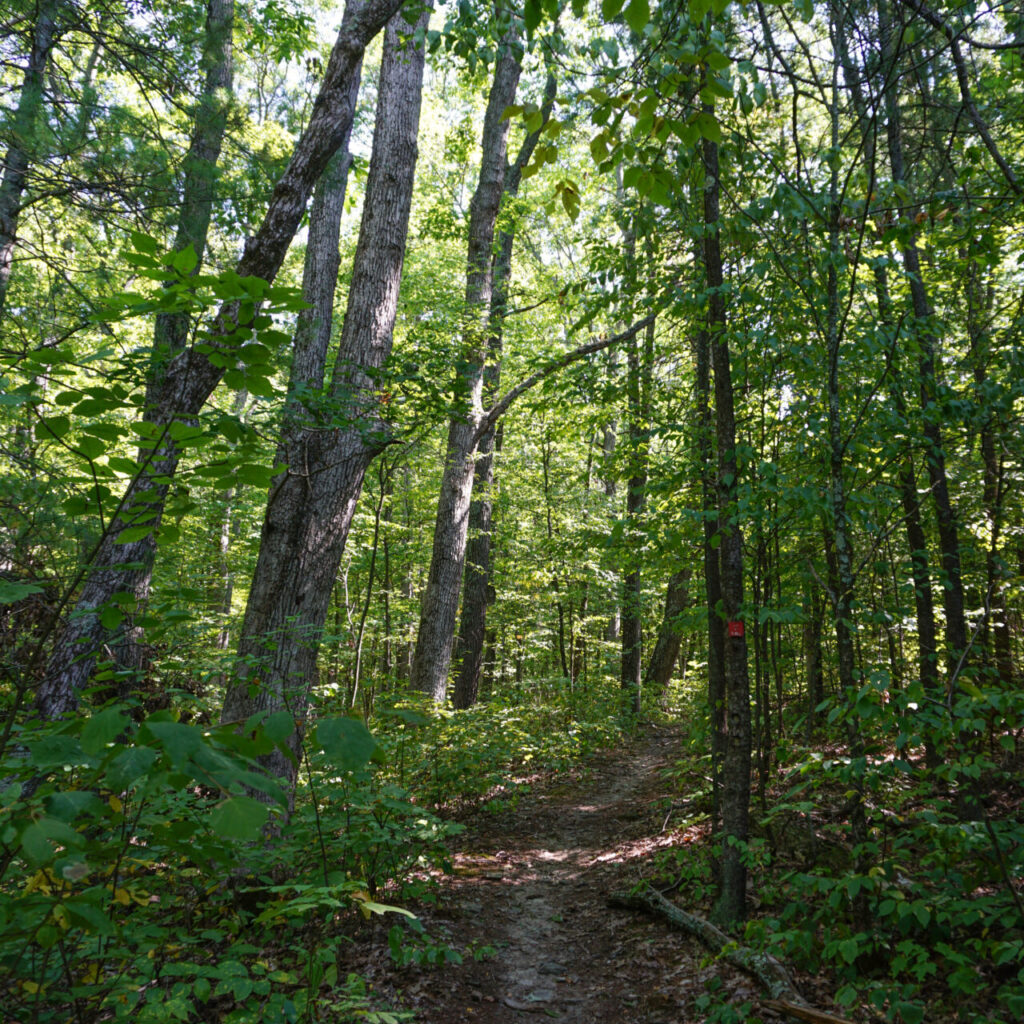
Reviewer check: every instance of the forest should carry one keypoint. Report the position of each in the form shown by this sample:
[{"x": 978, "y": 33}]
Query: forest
[{"x": 403, "y": 404}]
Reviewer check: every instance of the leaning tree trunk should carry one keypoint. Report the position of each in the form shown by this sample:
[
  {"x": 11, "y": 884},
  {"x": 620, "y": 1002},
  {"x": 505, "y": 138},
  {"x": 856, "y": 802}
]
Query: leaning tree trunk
[
  {"x": 183, "y": 387},
  {"x": 666, "y": 650},
  {"x": 477, "y": 590},
  {"x": 441, "y": 597},
  {"x": 310, "y": 508},
  {"x": 19, "y": 155}
]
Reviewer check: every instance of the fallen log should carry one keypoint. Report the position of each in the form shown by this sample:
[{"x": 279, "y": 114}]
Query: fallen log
[
  {"x": 802, "y": 1012},
  {"x": 766, "y": 969}
]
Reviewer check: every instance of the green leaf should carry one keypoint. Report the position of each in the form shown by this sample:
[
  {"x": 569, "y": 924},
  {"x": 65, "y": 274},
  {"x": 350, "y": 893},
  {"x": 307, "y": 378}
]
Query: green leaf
[
  {"x": 180, "y": 741},
  {"x": 610, "y": 8},
  {"x": 111, "y": 617},
  {"x": 133, "y": 533},
  {"x": 11, "y": 592},
  {"x": 128, "y": 766},
  {"x": 638, "y": 13},
  {"x": 106, "y": 726},
  {"x": 279, "y": 726},
  {"x": 89, "y": 915},
  {"x": 532, "y": 14},
  {"x": 848, "y": 950},
  {"x": 709, "y": 128},
  {"x": 239, "y": 817},
  {"x": 347, "y": 741},
  {"x": 38, "y": 849},
  {"x": 910, "y": 1013},
  {"x": 185, "y": 261},
  {"x": 52, "y": 427},
  {"x": 144, "y": 243},
  {"x": 90, "y": 447}
]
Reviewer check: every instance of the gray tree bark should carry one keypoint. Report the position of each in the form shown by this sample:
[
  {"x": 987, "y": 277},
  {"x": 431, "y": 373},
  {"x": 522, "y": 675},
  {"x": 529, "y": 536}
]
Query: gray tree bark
[
  {"x": 171, "y": 330},
  {"x": 924, "y": 333},
  {"x": 329, "y": 444},
  {"x": 190, "y": 377},
  {"x": 477, "y": 590},
  {"x": 666, "y": 649},
  {"x": 19, "y": 151},
  {"x": 433, "y": 653}
]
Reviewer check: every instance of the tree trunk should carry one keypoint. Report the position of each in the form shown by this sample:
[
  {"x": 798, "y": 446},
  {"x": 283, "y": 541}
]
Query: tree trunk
[
  {"x": 190, "y": 377},
  {"x": 924, "y": 334},
  {"x": 843, "y": 592},
  {"x": 712, "y": 561},
  {"x": 731, "y": 902},
  {"x": 995, "y": 634},
  {"x": 666, "y": 650},
  {"x": 171, "y": 330},
  {"x": 477, "y": 590},
  {"x": 441, "y": 597},
  {"x": 311, "y": 504},
  {"x": 611, "y": 632},
  {"x": 19, "y": 152},
  {"x": 927, "y": 647}
]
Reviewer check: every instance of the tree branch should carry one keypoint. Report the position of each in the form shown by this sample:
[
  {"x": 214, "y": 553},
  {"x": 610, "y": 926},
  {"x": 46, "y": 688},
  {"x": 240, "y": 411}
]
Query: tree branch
[
  {"x": 491, "y": 417},
  {"x": 965, "y": 92}
]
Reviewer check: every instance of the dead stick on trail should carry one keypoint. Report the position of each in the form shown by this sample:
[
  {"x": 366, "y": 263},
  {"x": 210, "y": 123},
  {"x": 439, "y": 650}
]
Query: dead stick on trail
[{"x": 768, "y": 971}]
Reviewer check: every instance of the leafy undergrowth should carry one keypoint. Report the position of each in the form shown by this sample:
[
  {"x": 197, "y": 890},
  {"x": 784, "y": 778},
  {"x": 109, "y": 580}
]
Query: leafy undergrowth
[
  {"x": 149, "y": 872},
  {"x": 922, "y": 920}
]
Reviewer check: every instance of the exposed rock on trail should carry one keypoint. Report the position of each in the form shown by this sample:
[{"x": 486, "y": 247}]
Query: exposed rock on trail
[{"x": 533, "y": 883}]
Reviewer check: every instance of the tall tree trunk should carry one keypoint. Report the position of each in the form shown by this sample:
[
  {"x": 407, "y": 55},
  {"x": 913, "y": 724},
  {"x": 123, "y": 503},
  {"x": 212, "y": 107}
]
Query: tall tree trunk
[
  {"x": 666, "y": 650},
  {"x": 441, "y": 597},
  {"x": 843, "y": 590},
  {"x": 712, "y": 562},
  {"x": 924, "y": 334},
  {"x": 20, "y": 149},
  {"x": 170, "y": 334},
  {"x": 477, "y": 590},
  {"x": 814, "y": 621},
  {"x": 310, "y": 508},
  {"x": 731, "y": 902},
  {"x": 611, "y": 632},
  {"x": 190, "y": 377},
  {"x": 995, "y": 635},
  {"x": 639, "y": 368},
  {"x": 927, "y": 647}
]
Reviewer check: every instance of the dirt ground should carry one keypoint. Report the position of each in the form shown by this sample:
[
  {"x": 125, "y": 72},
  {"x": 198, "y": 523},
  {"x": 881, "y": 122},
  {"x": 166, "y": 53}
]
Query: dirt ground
[{"x": 532, "y": 882}]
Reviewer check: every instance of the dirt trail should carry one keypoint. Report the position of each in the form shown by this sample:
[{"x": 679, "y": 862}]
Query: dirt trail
[{"x": 533, "y": 883}]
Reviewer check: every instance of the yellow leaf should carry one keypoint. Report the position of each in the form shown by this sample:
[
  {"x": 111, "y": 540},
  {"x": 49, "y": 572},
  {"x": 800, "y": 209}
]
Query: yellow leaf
[
  {"x": 115, "y": 805},
  {"x": 30, "y": 987},
  {"x": 123, "y": 896}
]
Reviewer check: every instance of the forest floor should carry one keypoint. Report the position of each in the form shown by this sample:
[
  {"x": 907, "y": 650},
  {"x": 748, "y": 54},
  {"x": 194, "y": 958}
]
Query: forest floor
[{"x": 532, "y": 881}]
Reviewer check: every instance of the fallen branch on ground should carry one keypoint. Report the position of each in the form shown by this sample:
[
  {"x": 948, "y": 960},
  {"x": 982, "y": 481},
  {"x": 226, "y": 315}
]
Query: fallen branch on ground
[{"x": 768, "y": 971}]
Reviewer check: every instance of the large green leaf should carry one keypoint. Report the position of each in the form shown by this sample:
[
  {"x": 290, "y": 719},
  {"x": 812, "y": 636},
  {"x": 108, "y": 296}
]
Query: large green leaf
[
  {"x": 239, "y": 817},
  {"x": 128, "y": 766},
  {"x": 347, "y": 741},
  {"x": 12, "y": 592}
]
